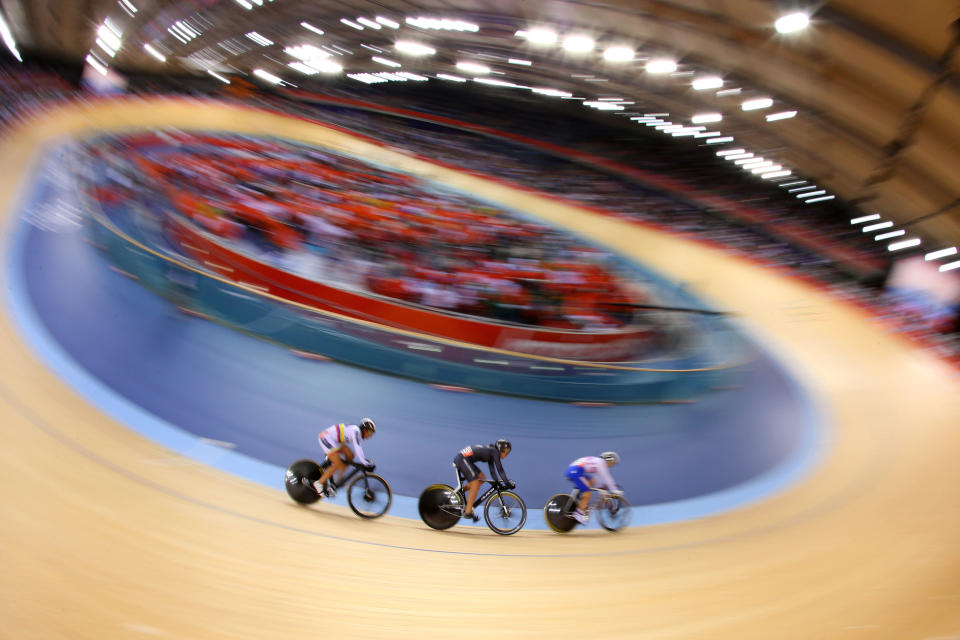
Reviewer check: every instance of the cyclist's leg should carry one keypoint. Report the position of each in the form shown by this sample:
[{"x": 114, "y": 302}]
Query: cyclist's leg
[
  {"x": 472, "y": 477},
  {"x": 336, "y": 464},
  {"x": 347, "y": 454},
  {"x": 581, "y": 482}
]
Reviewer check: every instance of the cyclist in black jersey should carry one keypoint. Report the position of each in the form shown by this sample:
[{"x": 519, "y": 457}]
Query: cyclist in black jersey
[{"x": 466, "y": 463}]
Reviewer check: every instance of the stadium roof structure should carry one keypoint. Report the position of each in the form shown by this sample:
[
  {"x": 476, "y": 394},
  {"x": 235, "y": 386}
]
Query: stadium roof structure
[{"x": 863, "y": 101}]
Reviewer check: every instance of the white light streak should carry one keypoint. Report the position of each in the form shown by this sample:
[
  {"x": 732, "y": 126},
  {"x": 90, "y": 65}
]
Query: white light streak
[
  {"x": 156, "y": 54},
  {"x": 706, "y": 117},
  {"x": 661, "y": 65},
  {"x": 890, "y": 234},
  {"x": 792, "y": 22},
  {"x": 942, "y": 253},
  {"x": 310, "y": 27},
  {"x": 783, "y": 115},
  {"x": 904, "y": 244},
  {"x": 862, "y": 219},
  {"x": 758, "y": 103},
  {"x": 707, "y": 82}
]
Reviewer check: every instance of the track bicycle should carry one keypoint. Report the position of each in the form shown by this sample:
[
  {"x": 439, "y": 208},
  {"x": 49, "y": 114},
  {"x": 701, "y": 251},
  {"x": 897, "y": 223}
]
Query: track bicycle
[
  {"x": 441, "y": 506},
  {"x": 612, "y": 509},
  {"x": 368, "y": 494}
]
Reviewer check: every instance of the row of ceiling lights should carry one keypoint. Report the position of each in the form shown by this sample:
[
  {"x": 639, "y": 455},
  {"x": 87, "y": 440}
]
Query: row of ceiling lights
[{"x": 874, "y": 222}]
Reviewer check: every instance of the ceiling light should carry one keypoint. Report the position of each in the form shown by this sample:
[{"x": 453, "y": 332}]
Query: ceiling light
[
  {"x": 727, "y": 152},
  {"x": 369, "y": 23},
  {"x": 8, "y": 40},
  {"x": 661, "y": 65},
  {"x": 259, "y": 39},
  {"x": 218, "y": 76},
  {"x": 904, "y": 244},
  {"x": 746, "y": 158},
  {"x": 414, "y": 48},
  {"x": 719, "y": 140},
  {"x": 618, "y": 54},
  {"x": 775, "y": 174},
  {"x": 156, "y": 54},
  {"x": 551, "y": 92},
  {"x": 707, "y": 82},
  {"x": 126, "y": 4},
  {"x": 525, "y": 63},
  {"x": 792, "y": 22},
  {"x": 310, "y": 27},
  {"x": 539, "y": 35},
  {"x": 269, "y": 77},
  {"x": 706, "y": 117},
  {"x": 246, "y": 5},
  {"x": 447, "y": 76},
  {"x": 473, "y": 67},
  {"x": 877, "y": 227},
  {"x": 707, "y": 134},
  {"x": 942, "y": 253},
  {"x": 862, "y": 219},
  {"x": 96, "y": 64},
  {"x": 949, "y": 266},
  {"x": 739, "y": 156},
  {"x": 604, "y": 106},
  {"x": 385, "y": 61},
  {"x": 795, "y": 182},
  {"x": 821, "y": 199},
  {"x": 351, "y": 23},
  {"x": 387, "y": 22},
  {"x": 783, "y": 115},
  {"x": 499, "y": 83},
  {"x": 810, "y": 194},
  {"x": 758, "y": 103},
  {"x": 890, "y": 234},
  {"x": 578, "y": 43},
  {"x": 412, "y": 76},
  {"x": 729, "y": 92}
]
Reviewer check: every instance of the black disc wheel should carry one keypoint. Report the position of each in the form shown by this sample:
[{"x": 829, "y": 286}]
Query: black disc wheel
[
  {"x": 505, "y": 512},
  {"x": 299, "y": 480},
  {"x": 369, "y": 495},
  {"x": 557, "y": 513},
  {"x": 440, "y": 506},
  {"x": 614, "y": 514}
]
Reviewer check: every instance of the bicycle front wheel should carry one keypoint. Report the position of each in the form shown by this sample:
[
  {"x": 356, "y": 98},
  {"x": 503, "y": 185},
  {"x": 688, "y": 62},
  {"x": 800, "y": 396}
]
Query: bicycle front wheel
[
  {"x": 440, "y": 506},
  {"x": 615, "y": 512},
  {"x": 505, "y": 512},
  {"x": 369, "y": 495}
]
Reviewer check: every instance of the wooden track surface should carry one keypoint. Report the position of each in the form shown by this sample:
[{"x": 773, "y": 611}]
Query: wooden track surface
[{"x": 104, "y": 534}]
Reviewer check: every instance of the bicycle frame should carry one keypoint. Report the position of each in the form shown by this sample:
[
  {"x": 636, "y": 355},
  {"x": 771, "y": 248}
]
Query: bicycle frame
[
  {"x": 348, "y": 474},
  {"x": 598, "y": 499},
  {"x": 480, "y": 498}
]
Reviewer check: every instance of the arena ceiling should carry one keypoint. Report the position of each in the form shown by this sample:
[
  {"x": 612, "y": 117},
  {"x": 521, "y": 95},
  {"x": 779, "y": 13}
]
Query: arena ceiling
[{"x": 873, "y": 82}]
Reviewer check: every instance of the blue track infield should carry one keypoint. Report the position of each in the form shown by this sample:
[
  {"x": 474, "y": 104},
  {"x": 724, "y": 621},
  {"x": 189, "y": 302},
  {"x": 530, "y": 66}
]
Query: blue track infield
[{"x": 250, "y": 408}]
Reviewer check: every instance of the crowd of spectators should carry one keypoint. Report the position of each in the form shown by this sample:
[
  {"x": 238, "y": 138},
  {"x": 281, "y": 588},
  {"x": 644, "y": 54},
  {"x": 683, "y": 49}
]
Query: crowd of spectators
[{"x": 334, "y": 218}]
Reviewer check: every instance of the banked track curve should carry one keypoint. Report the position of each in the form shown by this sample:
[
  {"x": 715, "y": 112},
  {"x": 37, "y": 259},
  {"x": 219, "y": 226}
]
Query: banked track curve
[{"x": 105, "y": 534}]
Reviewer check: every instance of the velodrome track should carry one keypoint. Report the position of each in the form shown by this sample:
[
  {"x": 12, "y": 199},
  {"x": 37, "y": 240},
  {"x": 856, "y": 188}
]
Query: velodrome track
[{"x": 106, "y": 534}]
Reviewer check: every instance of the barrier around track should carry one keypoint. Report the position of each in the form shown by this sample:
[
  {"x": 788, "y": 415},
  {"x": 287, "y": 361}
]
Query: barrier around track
[{"x": 713, "y": 362}]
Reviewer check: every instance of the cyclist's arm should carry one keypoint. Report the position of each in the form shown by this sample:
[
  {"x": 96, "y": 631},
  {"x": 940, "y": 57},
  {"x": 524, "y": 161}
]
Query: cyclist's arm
[
  {"x": 501, "y": 475},
  {"x": 354, "y": 441},
  {"x": 605, "y": 479}
]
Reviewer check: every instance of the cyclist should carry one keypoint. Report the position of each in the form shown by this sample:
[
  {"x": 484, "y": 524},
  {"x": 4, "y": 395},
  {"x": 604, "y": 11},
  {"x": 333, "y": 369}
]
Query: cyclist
[
  {"x": 466, "y": 464},
  {"x": 341, "y": 443},
  {"x": 591, "y": 471}
]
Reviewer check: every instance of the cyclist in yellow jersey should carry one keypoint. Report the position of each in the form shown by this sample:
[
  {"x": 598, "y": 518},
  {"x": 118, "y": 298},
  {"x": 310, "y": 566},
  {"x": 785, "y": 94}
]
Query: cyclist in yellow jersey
[{"x": 341, "y": 444}]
